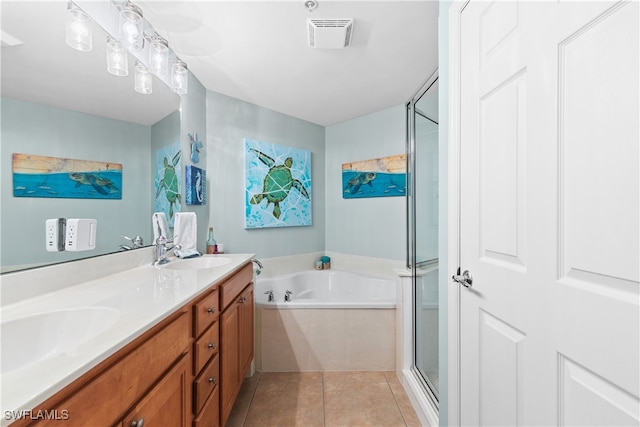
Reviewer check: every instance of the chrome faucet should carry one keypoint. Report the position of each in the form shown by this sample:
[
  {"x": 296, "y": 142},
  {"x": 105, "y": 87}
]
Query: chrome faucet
[
  {"x": 287, "y": 296},
  {"x": 136, "y": 242},
  {"x": 161, "y": 250},
  {"x": 259, "y": 264},
  {"x": 270, "y": 298}
]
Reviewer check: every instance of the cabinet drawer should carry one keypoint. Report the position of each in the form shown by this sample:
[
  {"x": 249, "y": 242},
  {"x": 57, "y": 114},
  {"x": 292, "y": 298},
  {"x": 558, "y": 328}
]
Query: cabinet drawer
[
  {"x": 205, "y": 347},
  {"x": 205, "y": 312},
  {"x": 204, "y": 384},
  {"x": 210, "y": 414},
  {"x": 231, "y": 288}
]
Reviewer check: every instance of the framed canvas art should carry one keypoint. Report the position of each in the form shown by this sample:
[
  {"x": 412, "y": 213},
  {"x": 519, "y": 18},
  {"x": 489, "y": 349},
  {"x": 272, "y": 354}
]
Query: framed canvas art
[
  {"x": 43, "y": 176},
  {"x": 384, "y": 177},
  {"x": 277, "y": 185},
  {"x": 196, "y": 185}
]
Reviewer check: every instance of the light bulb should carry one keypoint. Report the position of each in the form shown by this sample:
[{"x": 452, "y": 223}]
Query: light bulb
[
  {"x": 179, "y": 80},
  {"x": 158, "y": 55},
  {"x": 143, "y": 79},
  {"x": 130, "y": 25},
  {"x": 117, "y": 63},
  {"x": 78, "y": 30}
]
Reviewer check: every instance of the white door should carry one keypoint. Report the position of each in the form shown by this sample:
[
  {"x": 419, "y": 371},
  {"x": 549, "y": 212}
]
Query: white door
[{"x": 549, "y": 213}]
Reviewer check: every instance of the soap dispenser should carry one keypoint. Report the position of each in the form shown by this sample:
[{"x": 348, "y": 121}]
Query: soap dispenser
[{"x": 212, "y": 247}]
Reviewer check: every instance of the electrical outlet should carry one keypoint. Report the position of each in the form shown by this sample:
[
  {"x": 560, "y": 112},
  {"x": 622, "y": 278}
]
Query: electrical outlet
[
  {"x": 55, "y": 232},
  {"x": 80, "y": 234}
]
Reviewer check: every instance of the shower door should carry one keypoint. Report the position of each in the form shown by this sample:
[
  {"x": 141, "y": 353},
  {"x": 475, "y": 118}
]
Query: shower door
[{"x": 422, "y": 208}]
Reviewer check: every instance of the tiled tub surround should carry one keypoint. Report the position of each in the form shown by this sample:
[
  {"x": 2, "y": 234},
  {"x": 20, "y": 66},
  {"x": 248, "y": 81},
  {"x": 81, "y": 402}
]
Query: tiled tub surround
[
  {"x": 298, "y": 340},
  {"x": 142, "y": 296},
  {"x": 335, "y": 320}
]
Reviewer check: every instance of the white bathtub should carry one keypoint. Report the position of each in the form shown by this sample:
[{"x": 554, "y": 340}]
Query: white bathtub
[{"x": 326, "y": 289}]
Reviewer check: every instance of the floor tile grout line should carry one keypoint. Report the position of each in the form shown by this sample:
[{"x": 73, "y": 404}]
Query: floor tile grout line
[{"x": 395, "y": 399}]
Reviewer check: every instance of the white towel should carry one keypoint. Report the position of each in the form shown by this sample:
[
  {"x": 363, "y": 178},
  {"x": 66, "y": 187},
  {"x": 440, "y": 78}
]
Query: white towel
[
  {"x": 160, "y": 225},
  {"x": 185, "y": 233}
]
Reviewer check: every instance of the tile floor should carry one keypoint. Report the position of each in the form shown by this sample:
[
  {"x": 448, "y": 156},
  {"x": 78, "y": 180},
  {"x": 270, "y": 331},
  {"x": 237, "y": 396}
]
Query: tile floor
[{"x": 323, "y": 399}]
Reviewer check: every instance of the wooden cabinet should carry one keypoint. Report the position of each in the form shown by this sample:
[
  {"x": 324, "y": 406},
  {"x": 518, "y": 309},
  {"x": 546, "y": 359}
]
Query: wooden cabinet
[
  {"x": 135, "y": 377},
  {"x": 187, "y": 370},
  {"x": 236, "y": 337},
  {"x": 167, "y": 403}
]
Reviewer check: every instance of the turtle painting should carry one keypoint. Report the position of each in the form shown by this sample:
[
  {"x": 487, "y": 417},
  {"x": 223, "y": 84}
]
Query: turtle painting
[
  {"x": 169, "y": 182},
  {"x": 278, "y": 181}
]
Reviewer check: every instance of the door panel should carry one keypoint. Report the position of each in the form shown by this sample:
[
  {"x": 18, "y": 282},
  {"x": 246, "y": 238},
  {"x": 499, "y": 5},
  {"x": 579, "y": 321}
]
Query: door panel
[{"x": 549, "y": 217}]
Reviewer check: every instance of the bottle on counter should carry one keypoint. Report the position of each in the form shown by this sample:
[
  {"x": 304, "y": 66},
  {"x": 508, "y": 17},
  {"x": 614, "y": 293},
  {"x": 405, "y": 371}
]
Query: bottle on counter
[{"x": 212, "y": 246}]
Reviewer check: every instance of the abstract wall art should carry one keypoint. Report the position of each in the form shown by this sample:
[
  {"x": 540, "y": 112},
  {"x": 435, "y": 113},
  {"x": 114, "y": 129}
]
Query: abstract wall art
[
  {"x": 42, "y": 176},
  {"x": 195, "y": 179},
  {"x": 384, "y": 177},
  {"x": 167, "y": 181},
  {"x": 277, "y": 185}
]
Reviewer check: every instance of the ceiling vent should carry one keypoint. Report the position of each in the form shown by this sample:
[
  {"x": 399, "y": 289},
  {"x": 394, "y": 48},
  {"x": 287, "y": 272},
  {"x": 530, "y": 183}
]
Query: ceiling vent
[{"x": 330, "y": 33}]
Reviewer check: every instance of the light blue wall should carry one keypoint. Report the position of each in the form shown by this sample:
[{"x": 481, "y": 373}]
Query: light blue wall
[
  {"x": 229, "y": 121},
  {"x": 36, "y": 129},
  {"x": 374, "y": 227}
]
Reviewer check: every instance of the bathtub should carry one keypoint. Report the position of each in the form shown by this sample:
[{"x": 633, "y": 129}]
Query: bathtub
[
  {"x": 326, "y": 289},
  {"x": 335, "y": 321}
]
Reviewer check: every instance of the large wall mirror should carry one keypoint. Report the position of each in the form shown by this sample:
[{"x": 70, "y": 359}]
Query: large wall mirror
[{"x": 62, "y": 103}]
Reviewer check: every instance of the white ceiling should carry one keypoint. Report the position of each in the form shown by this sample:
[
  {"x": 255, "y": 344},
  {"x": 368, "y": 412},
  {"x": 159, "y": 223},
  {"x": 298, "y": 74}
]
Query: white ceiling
[{"x": 255, "y": 51}]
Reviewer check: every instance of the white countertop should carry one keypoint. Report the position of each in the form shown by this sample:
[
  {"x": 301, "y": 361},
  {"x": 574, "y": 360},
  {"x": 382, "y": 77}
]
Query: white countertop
[{"x": 142, "y": 297}]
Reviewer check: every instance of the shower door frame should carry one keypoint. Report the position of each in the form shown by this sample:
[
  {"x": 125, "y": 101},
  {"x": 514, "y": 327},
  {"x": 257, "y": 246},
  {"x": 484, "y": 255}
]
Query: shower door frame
[{"x": 412, "y": 263}]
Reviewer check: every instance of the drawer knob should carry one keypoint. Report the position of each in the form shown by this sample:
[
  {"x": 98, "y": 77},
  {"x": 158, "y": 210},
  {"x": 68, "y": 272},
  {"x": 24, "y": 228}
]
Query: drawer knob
[
  {"x": 211, "y": 345},
  {"x": 212, "y": 380},
  {"x": 211, "y": 310},
  {"x": 137, "y": 423}
]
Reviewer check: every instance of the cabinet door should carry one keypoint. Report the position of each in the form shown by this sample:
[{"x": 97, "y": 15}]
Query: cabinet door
[
  {"x": 166, "y": 404},
  {"x": 229, "y": 361},
  {"x": 245, "y": 331}
]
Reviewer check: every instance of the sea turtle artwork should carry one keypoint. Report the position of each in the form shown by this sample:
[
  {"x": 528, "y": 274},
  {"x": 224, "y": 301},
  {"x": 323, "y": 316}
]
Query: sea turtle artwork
[
  {"x": 169, "y": 182},
  {"x": 99, "y": 183},
  {"x": 278, "y": 181},
  {"x": 354, "y": 184}
]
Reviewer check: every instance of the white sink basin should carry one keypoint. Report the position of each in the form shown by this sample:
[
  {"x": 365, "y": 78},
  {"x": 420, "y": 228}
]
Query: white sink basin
[
  {"x": 40, "y": 336},
  {"x": 199, "y": 263}
]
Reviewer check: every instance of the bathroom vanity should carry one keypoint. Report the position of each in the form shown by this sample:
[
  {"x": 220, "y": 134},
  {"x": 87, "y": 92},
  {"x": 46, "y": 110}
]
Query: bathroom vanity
[{"x": 176, "y": 355}]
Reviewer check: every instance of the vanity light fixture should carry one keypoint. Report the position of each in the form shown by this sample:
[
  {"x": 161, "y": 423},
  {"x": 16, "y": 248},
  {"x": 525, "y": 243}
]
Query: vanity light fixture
[
  {"x": 131, "y": 27},
  {"x": 143, "y": 79},
  {"x": 179, "y": 77},
  {"x": 117, "y": 63},
  {"x": 78, "y": 29},
  {"x": 158, "y": 55}
]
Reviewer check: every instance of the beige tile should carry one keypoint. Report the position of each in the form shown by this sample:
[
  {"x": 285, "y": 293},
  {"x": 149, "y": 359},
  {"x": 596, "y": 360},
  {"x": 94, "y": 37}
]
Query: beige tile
[
  {"x": 279, "y": 403},
  {"x": 292, "y": 377},
  {"x": 402, "y": 400},
  {"x": 243, "y": 401},
  {"x": 355, "y": 376},
  {"x": 360, "y": 404}
]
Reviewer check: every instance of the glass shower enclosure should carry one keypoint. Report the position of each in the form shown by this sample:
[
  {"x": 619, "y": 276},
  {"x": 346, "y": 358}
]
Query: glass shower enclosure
[{"x": 422, "y": 231}]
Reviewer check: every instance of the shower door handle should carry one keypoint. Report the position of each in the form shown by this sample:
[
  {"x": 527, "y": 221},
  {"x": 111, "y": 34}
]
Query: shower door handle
[{"x": 466, "y": 279}]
